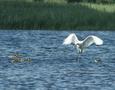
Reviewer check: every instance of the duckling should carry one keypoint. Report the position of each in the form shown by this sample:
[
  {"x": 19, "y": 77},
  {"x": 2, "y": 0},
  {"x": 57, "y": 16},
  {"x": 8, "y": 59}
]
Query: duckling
[
  {"x": 97, "y": 60},
  {"x": 28, "y": 60},
  {"x": 18, "y": 58}
]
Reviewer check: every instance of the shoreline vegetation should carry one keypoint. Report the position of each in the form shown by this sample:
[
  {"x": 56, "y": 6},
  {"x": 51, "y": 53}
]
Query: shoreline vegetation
[{"x": 56, "y": 16}]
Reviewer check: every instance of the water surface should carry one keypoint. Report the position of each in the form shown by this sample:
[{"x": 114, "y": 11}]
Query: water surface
[{"x": 53, "y": 65}]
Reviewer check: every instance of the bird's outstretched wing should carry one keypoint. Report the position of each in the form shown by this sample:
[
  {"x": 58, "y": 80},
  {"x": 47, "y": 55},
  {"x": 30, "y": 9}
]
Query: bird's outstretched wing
[
  {"x": 71, "y": 39},
  {"x": 92, "y": 39}
]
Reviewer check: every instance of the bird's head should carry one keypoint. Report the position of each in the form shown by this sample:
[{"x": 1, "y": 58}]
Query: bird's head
[{"x": 78, "y": 44}]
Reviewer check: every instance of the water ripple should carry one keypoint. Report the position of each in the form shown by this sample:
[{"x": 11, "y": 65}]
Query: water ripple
[{"x": 53, "y": 65}]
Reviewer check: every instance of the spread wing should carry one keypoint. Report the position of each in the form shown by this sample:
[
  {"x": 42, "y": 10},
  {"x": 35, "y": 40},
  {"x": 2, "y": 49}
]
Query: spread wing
[
  {"x": 71, "y": 39},
  {"x": 92, "y": 39}
]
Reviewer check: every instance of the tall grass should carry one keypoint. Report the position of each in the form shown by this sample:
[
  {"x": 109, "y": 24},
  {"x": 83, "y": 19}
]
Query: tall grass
[
  {"x": 101, "y": 7},
  {"x": 56, "y": 1},
  {"x": 23, "y": 15}
]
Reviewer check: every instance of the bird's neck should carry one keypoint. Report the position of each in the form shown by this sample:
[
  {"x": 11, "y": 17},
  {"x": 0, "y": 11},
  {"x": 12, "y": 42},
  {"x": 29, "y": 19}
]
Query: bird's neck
[{"x": 79, "y": 47}]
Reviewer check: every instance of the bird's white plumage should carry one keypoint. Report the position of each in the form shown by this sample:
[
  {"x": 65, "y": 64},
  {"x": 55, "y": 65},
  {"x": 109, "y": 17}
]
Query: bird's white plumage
[
  {"x": 81, "y": 45},
  {"x": 92, "y": 39},
  {"x": 72, "y": 38}
]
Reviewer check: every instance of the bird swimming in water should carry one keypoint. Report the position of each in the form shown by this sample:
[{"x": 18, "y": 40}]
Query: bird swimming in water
[{"x": 16, "y": 57}]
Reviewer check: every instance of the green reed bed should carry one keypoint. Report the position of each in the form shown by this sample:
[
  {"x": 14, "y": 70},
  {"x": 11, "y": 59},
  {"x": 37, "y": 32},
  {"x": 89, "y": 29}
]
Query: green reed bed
[{"x": 35, "y": 15}]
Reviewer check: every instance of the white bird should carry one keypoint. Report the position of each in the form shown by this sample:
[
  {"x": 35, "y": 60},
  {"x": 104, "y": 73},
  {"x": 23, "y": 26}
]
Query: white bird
[{"x": 81, "y": 45}]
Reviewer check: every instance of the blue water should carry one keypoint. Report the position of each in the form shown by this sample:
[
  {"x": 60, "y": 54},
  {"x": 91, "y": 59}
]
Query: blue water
[{"x": 53, "y": 65}]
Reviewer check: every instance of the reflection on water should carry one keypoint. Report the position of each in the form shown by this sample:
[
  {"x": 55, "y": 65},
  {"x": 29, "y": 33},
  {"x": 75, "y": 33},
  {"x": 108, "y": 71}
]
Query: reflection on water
[{"x": 54, "y": 66}]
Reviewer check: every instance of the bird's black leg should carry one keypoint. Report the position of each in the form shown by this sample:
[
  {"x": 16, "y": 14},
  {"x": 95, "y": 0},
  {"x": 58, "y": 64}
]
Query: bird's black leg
[
  {"x": 78, "y": 57},
  {"x": 78, "y": 54}
]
